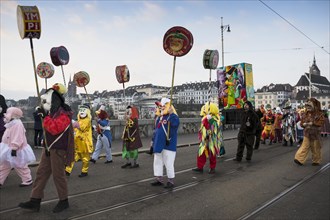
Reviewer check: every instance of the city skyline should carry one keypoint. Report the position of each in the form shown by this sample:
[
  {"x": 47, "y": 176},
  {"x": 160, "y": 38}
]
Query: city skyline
[{"x": 101, "y": 35}]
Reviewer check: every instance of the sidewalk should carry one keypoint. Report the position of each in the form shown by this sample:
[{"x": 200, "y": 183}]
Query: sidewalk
[{"x": 184, "y": 140}]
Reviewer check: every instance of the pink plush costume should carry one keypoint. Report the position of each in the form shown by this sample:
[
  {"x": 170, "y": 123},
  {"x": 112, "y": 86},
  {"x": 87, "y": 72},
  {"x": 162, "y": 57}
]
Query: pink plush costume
[{"x": 14, "y": 150}]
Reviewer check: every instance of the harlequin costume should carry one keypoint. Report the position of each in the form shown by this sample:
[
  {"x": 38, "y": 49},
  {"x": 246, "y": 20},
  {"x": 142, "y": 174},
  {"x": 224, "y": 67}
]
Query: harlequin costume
[
  {"x": 268, "y": 120},
  {"x": 278, "y": 125},
  {"x": 15, "y": 152},
  {"x": 165, "y": 144},
  {"x": 209, "y": 136},
  {"x": 58, "y": 151},
  {"x": 131, "y": 138},
  {"x": 312, "y": 120},
  {"x": 83, "y": 140},
  {"x": 289, "y": 125},
  {"x": 104, "y": 137}
]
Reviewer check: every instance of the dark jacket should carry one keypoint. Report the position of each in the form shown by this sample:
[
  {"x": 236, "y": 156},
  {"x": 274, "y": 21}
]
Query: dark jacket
[{"x": 249, "y": 121}]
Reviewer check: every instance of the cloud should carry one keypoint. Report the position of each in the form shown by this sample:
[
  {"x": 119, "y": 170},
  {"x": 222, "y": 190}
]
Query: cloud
[
  {"x": 75, "y": 19},
  {"x": 8, "y": 8},
  {"x": 150, "y": 12}
]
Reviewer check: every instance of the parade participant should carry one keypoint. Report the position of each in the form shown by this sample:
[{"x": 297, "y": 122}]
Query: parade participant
[
  {"x": 15, "y": 151},
  {"x": 58, "y": 151},
  {"x": 300, "y": 129},
  {"x": 312, "y": 120},
  {"x": 222, "y": 143},
  {"x": 83, "y": 140},
  {"x": 246, "y": 134},
  {"x": 38, "y": 131},
  {"x": 165, "y": 144},
  {"x": 104, "y": 137},
  {"x": 289, "y": 125},
  {"x": 209, "y": 137},
  {"x": 131, "y": 138},
  {"x": 260, "y": 114},
  {"x": 157, "y": 115},
  {"x": 3, "y": 109},
  {"x": 278, "y": 125},
  {"x": 325, "y": 130},
  {"x": 268, "y": 120}
]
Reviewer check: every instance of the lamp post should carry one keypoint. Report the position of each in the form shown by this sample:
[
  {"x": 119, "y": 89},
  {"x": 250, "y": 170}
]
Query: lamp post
[{"x": 227, "y": 28}]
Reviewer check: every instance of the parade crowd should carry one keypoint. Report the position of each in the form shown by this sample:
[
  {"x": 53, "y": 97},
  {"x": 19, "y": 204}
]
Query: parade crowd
[{"x": 65, "y": 141}]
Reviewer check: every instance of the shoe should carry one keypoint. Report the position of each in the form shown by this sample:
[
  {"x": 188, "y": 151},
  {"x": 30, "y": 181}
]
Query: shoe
[
  {"x": 237, "y": 160},
  {"x": 156, "y": 183},
  {"x": 298, "y": 162},
  {"x": 197, "y": 170},
  {"x": 29, "y": 183},
  {"x": 248, "y": 160},
  {"x": 212, "y": 171},
  {"x": 67, "y": 173},
  {"x": 149, "y": 152},
  {"x": 93, "y": 161},
  {"x": 315, "y": 164},
  {"x": 126, "y": 165},
  {"x": 270, "y": 143},
  {"x": 33, "y": 205},
  {"x": 169, "y": 185},
  {"x": 61, "y": 205},
  {"x": 108, "y": 161},
  {"x": 263, "y": 142},
  {"x": 135, "y": 165},
  {"x": 83, "y": 174}
]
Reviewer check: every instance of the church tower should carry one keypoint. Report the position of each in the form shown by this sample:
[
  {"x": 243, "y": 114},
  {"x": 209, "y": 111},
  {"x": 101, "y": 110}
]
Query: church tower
[{"x": 72, "y": 89}]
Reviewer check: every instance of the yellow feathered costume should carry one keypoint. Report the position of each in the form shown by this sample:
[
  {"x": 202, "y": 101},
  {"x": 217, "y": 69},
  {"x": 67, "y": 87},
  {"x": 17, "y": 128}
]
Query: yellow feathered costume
[{"x": 209, "y": 132}]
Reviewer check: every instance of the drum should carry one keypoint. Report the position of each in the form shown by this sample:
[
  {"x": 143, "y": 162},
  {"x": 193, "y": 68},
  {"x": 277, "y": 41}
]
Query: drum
[
  {"x": 211, "y": 59},
  {"x": 81, "y": 78},
  {"x": 45, "y": 70},
  {"x": 59, "y": 55},
  {"x": 28, "y": 21},
  {"x": 122, "y": 74},
  {"x": 177, "y": 41}
]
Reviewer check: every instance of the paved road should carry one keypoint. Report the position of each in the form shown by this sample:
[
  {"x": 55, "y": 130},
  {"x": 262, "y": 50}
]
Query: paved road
[{"x": 270, "y": 187}]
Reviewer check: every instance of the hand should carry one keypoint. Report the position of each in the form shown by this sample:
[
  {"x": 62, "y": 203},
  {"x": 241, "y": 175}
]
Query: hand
[
  {"x": 208, "y": 117},
  {"x": 13, "y": 153},
  {"x": 248, "y": 124},
  {"x": 41, "y": 112}
]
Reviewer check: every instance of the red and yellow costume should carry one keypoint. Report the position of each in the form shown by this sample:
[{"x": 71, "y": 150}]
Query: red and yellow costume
[
  {"x": 268, "y": 121},
  {"x": 209, "y": 136}
]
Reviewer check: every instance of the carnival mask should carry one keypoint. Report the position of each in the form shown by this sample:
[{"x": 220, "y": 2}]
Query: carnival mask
[{"x": 46, "y": 100}]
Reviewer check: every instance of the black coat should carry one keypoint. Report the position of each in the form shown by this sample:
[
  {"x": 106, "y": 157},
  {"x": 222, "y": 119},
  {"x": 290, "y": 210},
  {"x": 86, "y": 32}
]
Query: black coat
[{"x": 251, "y": 127}]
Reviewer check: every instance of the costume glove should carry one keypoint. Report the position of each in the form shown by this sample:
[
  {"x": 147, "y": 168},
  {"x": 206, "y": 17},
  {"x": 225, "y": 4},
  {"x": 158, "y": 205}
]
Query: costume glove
[
  {"x": 13, "y": 153},
  {"x": 41, "y": 112}
]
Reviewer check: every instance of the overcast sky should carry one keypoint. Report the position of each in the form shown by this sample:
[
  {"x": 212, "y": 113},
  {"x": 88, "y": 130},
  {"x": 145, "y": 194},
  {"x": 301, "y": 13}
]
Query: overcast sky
[{"x": 100, "y": 35}]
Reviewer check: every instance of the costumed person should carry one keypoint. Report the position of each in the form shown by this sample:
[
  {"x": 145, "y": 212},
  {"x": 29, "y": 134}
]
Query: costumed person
[
  {"x": 209, "y": 137},
  {"x": 299, "y": 128},
  {"x": 3, "y": 109},
  {"x": 260, "y": 113},
  {"x": 104, "y": 137},
  {"x": 325, "y": 130},
  {"x": 312, "y": 120},
  {"x": 278, "y": 125},
  {"x": 166, "y": 134},
  {"x": 157, "y": 115},
  {"x": 15, "y": 152},
  {"x": 289, "y": 125},
  {"x": 247, "y": 131},
  {"x": 131, "y": 138},
  {"x": 38, "y": 131},
  {"x": 268, "y": 120},
  {"x": 58, "y": 149},
  {"x": 83, "y": 140},
  {"x": 222, "y": 143}
]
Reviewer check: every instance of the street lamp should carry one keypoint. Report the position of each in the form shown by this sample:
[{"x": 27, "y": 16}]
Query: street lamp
[{"x": 227, "y": 28}]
